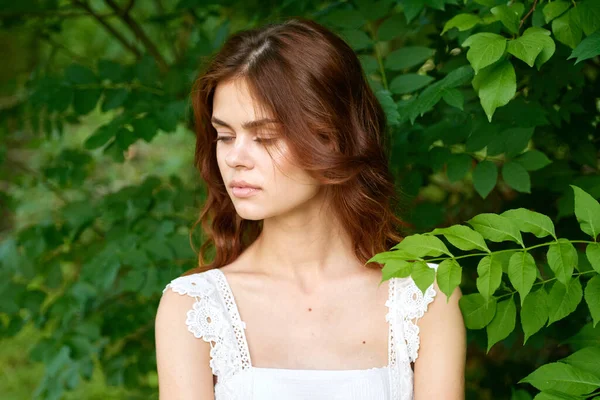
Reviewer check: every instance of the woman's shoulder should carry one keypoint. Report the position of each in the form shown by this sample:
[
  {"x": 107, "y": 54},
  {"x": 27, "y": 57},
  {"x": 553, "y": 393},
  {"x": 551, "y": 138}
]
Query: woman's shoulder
[{"x": 195, "y": 284}]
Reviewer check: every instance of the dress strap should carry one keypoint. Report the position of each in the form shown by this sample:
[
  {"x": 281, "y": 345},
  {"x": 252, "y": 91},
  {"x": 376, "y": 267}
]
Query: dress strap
[
  {"x": 406, "y": 304},
  {"x": 238, "y": 325},
  {"x": 412, "y": 304}
]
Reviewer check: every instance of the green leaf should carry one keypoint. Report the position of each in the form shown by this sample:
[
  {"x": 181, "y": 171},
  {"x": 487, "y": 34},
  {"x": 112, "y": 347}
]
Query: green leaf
[
  {"x": 518, "y": 8},
  {"x": 449, "y": 276},
  {"x": 60, "y": 98},
  {"x": 592, "y": 251},
  {"x": 516, "y": 177},
  {"x": 592, "y": 298},
  {"x": 387, "y": 256},
  {"x": 476, "y": 310},
  {"x": 396, "y": 269},
  {"x": 434, "y": 92},
  {"x": 100, "y": 137},
  {"x": 407, "y": 57},
  {"x": 588, "y": 48},
  {"x": 521, "y": 395},
  {"x": 586, "y": 359},
  {"x": 511, "y": 141},
  {"x": 522, "y": 272},
  {"x": 534, "y": 312},
  {"x": 111, "y": 70},
  {"x": 496, "y": 228},
  {"x": 533, "y": 160},
  {"x": 537, "y": 29},
  {"x": 462, "y": 22},
  {"x": 168, "y": 117},
  {"x": 85, "y": 100},
  {"x": 408, "y": 83},
  {"x": 587, "y": 211},
  {"x": 454, "y": 98},
  {"x": 485, "y": 176},
  {"x": 356, "y": 38},
  {"x": 566, "y": 29},
  {"x": 373, "y": 10},
  {"x": 462, "y": 237},
  {"x": 392, "y": 27},
  {"x": 554, "y": 395},
  {"x": 588, "y": 15},
  {"x": 484, "y": 49},
  {"x": 562, "y": 258},
  {"x": 422, "y": 246},
  {"x": 114, "y": 98},
  {"x": 458, "y": 166},
  {"x": 423, "y": 275},
  {"x": 508, "y": 16},
  {"x": 562, "y": 377},
  {"x": 530, "y": 221},
  {"x": 528, "y": 47},
  {"x": 546, "y": 53},
  {"x": 503, "y": 323},
  {"x": 388, "y": 105},
  {"x": 564, "y": 299},
  {"x": 369, "y": 63},
  {"x": 80, "y": 75},
  {"x": 436, "y": 4},
  {"x": 496, "y": 86},
  {"x": 346, "y": 18},
  {"x": 145, "y": 128},
  {"x": 489, "y": 270},
  {"x": 488, "y": 3},
  {"x": 587, "y": 336},
  {"x": 147, "y": 71},
  {"x": 555, "y": 9},
  {"x": 412, "y": 8}
]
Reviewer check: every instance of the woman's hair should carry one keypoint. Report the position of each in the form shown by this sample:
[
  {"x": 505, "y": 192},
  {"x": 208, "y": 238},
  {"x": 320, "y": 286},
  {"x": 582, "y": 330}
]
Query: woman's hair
[{"x": 312, "y": 82}]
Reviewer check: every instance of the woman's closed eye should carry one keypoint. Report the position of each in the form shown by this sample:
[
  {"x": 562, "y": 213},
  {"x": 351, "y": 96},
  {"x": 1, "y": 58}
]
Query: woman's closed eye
[{"x": 226, "y": 139}]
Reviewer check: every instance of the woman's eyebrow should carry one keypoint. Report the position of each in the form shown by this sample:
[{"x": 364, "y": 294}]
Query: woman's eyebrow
[{"x": 246, "y": 125}]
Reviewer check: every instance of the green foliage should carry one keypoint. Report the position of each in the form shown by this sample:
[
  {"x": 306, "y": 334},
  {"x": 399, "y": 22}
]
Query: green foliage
[
  {"x": 98, "y": 213},
  {"x": 539, "y": 308}
]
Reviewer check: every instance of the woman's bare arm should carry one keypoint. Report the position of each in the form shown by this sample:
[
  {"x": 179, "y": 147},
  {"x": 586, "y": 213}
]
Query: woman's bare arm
[
  {"x": 182, "y": 359},
  {"x": 440, "y": 365}
]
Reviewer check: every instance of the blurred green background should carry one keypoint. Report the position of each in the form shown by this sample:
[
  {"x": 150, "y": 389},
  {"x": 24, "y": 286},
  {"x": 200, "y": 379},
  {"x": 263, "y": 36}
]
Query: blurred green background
[{"x": 98, "y": 192}]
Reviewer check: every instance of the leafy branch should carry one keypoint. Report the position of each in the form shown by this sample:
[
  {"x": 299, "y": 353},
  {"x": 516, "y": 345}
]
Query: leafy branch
[
  {"x": 498, "y": 313},
  {"x": 115, "y": 33}
]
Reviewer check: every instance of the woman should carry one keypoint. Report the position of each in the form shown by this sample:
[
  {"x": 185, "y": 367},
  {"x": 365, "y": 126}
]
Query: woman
[{"x": 291, "y": 145}]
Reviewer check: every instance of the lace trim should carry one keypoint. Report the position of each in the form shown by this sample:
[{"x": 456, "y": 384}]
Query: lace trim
[
  {"x": 390, "y": 317},
  {"x": 207, "y": 320},
  {"x": 406, "y": 303},
  {"x": 414, "y": 304},
  {"x": 239, "y": 326}
]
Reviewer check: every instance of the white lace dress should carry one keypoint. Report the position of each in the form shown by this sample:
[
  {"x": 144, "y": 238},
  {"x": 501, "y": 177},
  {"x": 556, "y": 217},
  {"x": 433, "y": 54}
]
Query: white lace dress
[{"x": 215, "y": 319}]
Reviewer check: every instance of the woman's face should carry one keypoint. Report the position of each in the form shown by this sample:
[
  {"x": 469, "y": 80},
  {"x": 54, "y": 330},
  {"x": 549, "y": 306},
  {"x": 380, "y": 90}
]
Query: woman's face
[{"x": 283, "y": 187}]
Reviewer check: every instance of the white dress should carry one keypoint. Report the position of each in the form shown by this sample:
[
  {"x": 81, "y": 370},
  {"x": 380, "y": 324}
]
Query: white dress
[{"x": 214, "y": 317}]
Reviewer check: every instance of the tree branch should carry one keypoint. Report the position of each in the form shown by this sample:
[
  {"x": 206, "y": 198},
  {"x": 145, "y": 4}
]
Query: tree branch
[
  {"x": 167, "y": 33},
  {"x": 528, "y": 14},
  {"x": 49, "y": 14},
  {"x": 109, "y": 28},
  {"x": 71, "y": 53},
  {"x": 41, "y": 178},
  {"x": 139, "y": 32}
]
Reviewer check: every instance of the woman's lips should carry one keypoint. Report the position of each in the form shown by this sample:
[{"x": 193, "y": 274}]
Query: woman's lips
[{"x": 244, "y": 191}]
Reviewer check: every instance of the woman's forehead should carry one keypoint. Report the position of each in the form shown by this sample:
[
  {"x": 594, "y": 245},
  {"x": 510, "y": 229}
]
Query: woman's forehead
[{"x": 233, "y": 100}]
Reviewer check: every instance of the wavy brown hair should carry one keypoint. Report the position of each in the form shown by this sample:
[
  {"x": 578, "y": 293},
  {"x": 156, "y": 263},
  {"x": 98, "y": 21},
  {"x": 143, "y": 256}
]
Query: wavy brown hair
[{"x": 312, "y": 82}]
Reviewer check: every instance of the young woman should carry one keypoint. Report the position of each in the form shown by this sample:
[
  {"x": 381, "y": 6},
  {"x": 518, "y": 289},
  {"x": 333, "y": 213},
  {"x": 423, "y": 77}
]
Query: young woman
[{"x": 291, "y": 145}]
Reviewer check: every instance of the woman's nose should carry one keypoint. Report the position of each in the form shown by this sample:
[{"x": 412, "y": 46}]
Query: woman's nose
[{"x": 238, "y": 153}]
